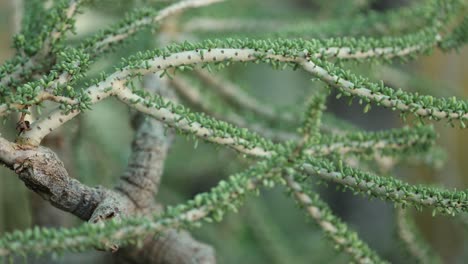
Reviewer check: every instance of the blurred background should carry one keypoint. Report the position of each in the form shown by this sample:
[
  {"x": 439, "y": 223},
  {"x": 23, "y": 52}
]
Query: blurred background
[{"x": 270, "y": 228}]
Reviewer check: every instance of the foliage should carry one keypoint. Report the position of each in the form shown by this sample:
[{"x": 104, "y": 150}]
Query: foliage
[{"x": 48, "y": 67}]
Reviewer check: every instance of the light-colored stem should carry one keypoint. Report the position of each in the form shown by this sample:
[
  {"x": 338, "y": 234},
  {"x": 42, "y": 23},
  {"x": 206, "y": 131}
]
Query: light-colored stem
[
  {"x": 115, "y": 82},
  {"x": 57, "y": 32},
  {"x": 384, "y": 100},
  {"x": 41, "y": 97},
  {"x": 381, "y": 189},
  {"x": 342, "y": 148},
  {"x": 388, "y": 52},
  {"x": 128, "y": 30},
  {"x": 322, "y": 218},
  {"x": 159, "y": 63},
  {"x": 113, "y": 85},
  {"x": 46, "y": 124},
  {"x": 170, "y": 118}
]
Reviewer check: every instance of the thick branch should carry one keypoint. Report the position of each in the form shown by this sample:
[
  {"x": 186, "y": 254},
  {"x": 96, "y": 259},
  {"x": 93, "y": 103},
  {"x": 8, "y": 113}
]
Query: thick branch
[
  {"x": 42, "y": 172},
  {"x": 171, "y": 246},
  {"x": 141, "y": 181},
  {"x": 150, "y": 146},
  {"x": 207, "y": 205}
]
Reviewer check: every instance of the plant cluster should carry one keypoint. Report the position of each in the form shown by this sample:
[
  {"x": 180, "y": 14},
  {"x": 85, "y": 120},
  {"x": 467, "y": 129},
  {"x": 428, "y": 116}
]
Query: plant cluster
[{"x": 49, "y": 69}]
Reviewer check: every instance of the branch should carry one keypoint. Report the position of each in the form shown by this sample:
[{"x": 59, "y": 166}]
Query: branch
[
  {"x": 208, "y": 206},
  {"x": 15, "y": 71},
  {"x": 395, "y": 142},
  {"x": 412, "y": 240},
  {"x": 220, "y": 133},
  {"x": 42, "y": 212},
  {"x": 42, "y": 171},
  {"x": 150, "y": 146},
  {"x": 364, "y": 48},
  {"x": 422, "y": 106},
  {"x": 165, "y": 111},
  {"x": 61, "y": 21},
  {"x": 334, "y": 228},
  {"x": 448, "y": 202},
  {"x": 137, "y": 21},
  {"x": 78, "y": 59},
  {"x": 311, "y": 121},
  {"x": 263, "y": 51},
  {"x": 137, "y": 188},
  {"x": 71, "y": 63},
  {"x": 387, "y": 143},
  {"x": 70, "y": 10},
  {"x": 176, "y": 116},
  {"x": 170, "y": 246}
]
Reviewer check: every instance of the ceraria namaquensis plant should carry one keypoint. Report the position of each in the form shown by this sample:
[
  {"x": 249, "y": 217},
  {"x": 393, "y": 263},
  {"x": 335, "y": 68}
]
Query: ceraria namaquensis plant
[{"x": 50, "y": 67}]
